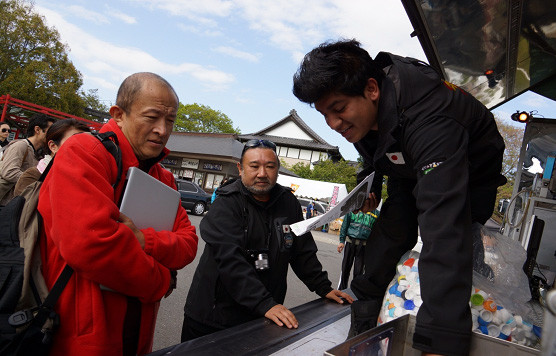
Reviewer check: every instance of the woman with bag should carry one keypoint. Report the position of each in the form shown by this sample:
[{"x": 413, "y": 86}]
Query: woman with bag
[{"x": 57, "y": 134}]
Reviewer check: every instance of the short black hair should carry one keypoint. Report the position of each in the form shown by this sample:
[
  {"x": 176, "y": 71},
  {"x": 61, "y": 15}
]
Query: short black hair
[
  {"x": 40, "y": 120},
  {"x": 341, "y": 66},
  {"x": 130, "y": 87}
]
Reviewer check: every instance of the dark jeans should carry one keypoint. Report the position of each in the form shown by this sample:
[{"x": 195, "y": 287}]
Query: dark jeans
[{"x": 353, "y": 255}]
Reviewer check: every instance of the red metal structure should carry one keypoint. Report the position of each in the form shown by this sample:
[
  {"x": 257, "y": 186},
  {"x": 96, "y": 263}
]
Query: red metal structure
[{"x": 17, "y": 117}]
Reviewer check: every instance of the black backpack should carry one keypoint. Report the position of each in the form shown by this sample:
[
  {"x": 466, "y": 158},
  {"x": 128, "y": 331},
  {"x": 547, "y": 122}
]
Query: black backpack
[{"x": 27, "y": 316}]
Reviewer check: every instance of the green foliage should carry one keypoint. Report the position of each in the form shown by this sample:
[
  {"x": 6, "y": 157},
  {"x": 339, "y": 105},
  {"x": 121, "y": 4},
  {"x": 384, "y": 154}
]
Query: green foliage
[
  {"x": 34, "y": 65},
  {"x": 513, "y": 137},
  {"x": 301, "y": 169},
  {"x": 91, "y": 100},
  {"x": 201, "y": 118},
  {"x": 328, "y": 171}
]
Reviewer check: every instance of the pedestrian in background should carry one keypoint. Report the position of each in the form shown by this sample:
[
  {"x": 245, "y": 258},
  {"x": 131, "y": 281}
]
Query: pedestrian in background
[
  {"x": 310, "y": 210},
  {"x": 215, "y": 193},
  {"x": 4, "y": 133},
  {"x": 56, "y": 135},
  {"x": 19, "y": 155},
  {"x": 356, "y": 229}
]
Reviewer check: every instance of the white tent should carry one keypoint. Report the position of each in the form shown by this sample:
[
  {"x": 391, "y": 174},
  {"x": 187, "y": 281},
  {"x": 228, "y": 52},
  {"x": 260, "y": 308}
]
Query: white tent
[{"x": 314, "y": 189}]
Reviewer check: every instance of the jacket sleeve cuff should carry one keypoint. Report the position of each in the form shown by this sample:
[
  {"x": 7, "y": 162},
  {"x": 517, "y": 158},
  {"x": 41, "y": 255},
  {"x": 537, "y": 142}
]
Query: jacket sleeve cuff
[
  {"x": 322, "y": 292},
  {"x": 265, "y": 306},
  {"x": 433, "y": 339},
  {"x": 149, "y": 235}
]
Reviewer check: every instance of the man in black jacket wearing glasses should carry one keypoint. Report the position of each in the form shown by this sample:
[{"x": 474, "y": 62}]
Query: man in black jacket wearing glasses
[{"x": 242, "y": 273}]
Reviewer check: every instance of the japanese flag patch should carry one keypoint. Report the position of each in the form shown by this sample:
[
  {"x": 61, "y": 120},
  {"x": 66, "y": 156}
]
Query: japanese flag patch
[{"x": 395, "y": 157}]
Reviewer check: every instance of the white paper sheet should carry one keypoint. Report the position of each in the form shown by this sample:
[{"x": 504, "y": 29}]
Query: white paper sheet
[{"x": 353, "y": 201}]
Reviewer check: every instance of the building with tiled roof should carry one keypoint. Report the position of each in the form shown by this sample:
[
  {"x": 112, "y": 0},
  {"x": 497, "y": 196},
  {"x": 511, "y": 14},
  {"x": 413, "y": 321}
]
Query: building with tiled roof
[
  {"x": 296, "y": 142},
  {"x": 207, "y": 158}
]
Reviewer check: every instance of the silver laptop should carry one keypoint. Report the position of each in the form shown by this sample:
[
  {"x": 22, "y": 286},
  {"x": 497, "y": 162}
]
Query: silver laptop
[{"x": 148, "y": 202}]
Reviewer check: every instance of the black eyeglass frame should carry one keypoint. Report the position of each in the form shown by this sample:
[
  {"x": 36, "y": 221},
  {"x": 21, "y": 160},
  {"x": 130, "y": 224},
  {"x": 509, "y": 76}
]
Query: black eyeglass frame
[
  {"x": 5, "y": 130},
  {"x": 257, "y": 143}
]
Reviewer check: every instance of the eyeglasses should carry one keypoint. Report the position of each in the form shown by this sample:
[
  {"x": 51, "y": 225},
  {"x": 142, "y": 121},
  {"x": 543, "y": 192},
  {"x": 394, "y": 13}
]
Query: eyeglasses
[
  {"x": 5, "y": 130},
  {"x": 256, "y": 143}
]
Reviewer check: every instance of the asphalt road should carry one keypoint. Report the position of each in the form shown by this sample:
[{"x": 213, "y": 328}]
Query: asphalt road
[{"x": 170, "y": 315}]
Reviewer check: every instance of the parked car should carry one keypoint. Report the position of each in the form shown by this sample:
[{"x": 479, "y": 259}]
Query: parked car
[
  {"x": 193, "y": 198},
  {"x": 320, "y": 207}
]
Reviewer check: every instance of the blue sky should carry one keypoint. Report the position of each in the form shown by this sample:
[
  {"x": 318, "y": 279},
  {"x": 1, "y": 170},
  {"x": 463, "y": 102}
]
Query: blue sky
[{"x": 234, "y": 56}]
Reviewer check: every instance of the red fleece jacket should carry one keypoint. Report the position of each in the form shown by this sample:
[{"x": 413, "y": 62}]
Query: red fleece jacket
[{"x": 77, "y": 203}]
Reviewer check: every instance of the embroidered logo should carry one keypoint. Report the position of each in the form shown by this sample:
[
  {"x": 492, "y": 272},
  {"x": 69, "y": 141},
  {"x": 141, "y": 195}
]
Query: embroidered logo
[
  {"x": 453, "y": 87},
  {"x": 395, "y": 157},
  {"x": 288, "y": 237},
  {"x": 429, "y": 167}
]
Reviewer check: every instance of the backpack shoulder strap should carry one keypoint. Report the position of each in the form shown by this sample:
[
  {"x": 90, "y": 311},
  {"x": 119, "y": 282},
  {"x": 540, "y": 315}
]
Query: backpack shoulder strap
[{"x": 112, "y": 145}]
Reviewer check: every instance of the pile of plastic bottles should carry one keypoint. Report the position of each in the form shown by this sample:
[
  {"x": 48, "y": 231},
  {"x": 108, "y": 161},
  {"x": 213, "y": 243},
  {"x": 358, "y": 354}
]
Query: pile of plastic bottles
[
  {"x": 404, "y": 292},
  {"x": 404, "y": 297},
  {"x": 494, "y": 320}
]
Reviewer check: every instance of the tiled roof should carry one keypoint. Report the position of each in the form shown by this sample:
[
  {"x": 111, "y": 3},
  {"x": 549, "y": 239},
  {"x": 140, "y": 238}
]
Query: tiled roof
[
  {"x": 295, "y": 118},
  {"x": 318, "y": 143},
  {"x": 291, "y": 142},
  {"x": 210, "y": 144}
]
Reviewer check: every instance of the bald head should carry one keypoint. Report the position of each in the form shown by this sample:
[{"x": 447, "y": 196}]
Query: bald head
[{"x": 131, "y": 86}]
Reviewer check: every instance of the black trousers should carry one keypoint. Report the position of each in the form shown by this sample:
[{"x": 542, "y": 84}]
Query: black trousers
[
  {"x": 192, "y": 329},
  {"x": 354, "y": 255}
]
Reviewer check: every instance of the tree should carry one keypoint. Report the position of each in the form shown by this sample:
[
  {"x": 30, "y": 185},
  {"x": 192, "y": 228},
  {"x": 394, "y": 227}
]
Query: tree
[
  {"x": 201, "y": 118},
  {"x": 328, "y": 171},
  {"x": 92, "y": 101},
  {"x": 95, "y": 109},
  {"x": 513, "y": 137},
  {"x": 34, "y": 65}
]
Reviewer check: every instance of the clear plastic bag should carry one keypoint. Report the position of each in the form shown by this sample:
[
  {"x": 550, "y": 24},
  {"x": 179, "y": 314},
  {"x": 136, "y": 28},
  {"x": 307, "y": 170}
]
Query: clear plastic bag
[
  {"x": 500, "y": 271},
  {"x": 497, "y": 273}
]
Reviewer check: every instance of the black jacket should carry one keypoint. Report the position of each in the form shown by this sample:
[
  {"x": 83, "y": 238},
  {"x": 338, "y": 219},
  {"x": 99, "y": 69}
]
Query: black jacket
[
  {"x": 414, "y": 96},
  {"x": 442, "y": 153},
  {"x": 226, "y": 289}
]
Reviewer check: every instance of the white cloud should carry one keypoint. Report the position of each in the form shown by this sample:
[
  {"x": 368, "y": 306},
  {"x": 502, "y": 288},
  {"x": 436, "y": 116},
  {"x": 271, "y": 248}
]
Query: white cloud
[
  {"x": 199, "y": 31},
  {"x": 107, "y": 60},
  {"x": 198, "y": 11},
  {"x": 536, "y": 101},
  {"x": 130, "y": 20},
  {"x": 236, "y": 53},
  {"x": 297, "y": 26},
  {"x": 81, "y": 12},
  {"x": 289, "y": 24}
]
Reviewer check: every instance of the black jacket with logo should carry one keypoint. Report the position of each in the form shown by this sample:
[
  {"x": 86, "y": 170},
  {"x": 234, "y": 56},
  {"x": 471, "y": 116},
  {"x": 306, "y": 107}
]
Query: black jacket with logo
[
  {"x": 442, "y": 153},
  {"x": 226, "y": 289},
  {"x": 413, "y": 96}
]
